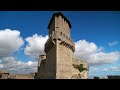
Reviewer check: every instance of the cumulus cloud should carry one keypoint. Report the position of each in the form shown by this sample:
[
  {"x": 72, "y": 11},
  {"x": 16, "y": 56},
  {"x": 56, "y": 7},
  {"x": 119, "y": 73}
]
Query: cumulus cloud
[
  {"x": 10, "y": 41},
  {"x": 35, "y": 45},
  {"x": 113, "y": 68},
  {"x": 106, "y": 69},
  {"x": 83, "y": 49},
  {"x": 12, "y": 65},
  {"x": 112, "y": 43},
  {"x": 101, "y": 48},
  {"x": 94, "y": 55}
]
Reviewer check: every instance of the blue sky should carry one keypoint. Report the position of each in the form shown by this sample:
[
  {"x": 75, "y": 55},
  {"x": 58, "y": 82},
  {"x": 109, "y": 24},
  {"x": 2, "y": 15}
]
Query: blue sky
[{"x": 100, "y": 27}]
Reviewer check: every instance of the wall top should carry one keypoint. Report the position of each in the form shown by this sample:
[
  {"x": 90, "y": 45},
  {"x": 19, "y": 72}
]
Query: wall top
[{"x": 57, "y": 14}]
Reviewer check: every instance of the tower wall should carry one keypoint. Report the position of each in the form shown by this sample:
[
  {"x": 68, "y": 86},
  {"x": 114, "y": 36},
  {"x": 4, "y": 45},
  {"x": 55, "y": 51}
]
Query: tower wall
[
  {"x": 41, "y": 67},
  {"x": 59, "y": 49},
  {"x": 52, "y": 28},
  {"x": 64, "y": 61},
  {"x": 62, "y": 26},
  {"x": 51, "y": 62}
]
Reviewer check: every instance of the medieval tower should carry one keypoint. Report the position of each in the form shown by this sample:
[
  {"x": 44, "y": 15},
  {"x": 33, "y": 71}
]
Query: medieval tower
[{"x": 59, "y": 49}]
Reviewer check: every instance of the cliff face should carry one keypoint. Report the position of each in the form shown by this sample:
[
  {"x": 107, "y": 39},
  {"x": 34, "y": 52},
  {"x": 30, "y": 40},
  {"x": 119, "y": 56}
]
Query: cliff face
[{"x": 80, "y": 69}]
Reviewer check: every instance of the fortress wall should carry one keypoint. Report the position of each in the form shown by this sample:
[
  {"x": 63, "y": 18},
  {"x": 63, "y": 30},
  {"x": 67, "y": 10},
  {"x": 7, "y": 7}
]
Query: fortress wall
[
  {"x": 50, "y": 67},
  {"x": 41, "y": 69},
  {"x": 59, "y": 50},
  {"x": 64, "y": 62}
]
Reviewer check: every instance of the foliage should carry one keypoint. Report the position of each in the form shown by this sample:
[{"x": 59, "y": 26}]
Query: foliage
[{"x": 80, "y": 67}]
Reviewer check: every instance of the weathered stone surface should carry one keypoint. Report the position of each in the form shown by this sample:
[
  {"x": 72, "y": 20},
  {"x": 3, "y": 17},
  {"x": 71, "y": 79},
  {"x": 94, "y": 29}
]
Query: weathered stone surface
[
  {"x": 83, "y": 74},
  {"x": 59, "y": 49},
  {"x": 76, "y": 76}
]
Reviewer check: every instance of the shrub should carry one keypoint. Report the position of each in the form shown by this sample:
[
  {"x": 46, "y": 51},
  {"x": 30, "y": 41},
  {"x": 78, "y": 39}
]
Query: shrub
[{"x": 80, "y": 67}]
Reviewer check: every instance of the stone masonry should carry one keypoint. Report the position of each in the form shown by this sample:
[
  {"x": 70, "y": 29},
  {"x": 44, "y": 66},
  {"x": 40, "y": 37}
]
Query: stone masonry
[{"x": 59, "y": 48}]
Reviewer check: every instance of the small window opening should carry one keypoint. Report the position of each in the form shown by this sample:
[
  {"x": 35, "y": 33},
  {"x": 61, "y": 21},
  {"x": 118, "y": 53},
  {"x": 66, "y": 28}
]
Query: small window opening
[{"x": 61, "y": 33}]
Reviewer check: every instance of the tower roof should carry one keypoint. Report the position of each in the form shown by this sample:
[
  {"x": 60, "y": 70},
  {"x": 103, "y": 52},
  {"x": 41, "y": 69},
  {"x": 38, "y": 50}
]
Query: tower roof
[{"x": 57, "y": 14}]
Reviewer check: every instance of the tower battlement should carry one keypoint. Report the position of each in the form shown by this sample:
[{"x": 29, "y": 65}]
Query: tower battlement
[
  {"x": 56, "y": 15},
  {"x": 59, "y": 29},
  {"x": 65, "y": 41}
]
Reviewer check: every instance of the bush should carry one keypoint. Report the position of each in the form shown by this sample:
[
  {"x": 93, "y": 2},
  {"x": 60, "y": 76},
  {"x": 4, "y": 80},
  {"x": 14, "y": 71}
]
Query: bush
[{"x": 80, "y": 67}]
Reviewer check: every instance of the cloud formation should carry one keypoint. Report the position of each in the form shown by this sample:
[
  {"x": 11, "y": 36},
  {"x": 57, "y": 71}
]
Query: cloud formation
[
  {"x": 12, "y": 65},
  {"x": 113, "y": 43},
  {"x": 114, "y": 68},
  {"x": 10, "y": 41},
  {"x": 35, "y": 45},
  {"x": 105, "y": 69},
  {"x": 94, "y": 55}
]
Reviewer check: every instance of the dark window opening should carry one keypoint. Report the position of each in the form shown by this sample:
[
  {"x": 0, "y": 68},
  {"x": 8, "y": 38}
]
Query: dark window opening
[
  {"x": 61, "y": 33},
  {"x": 50, "y": 35},
  {"x": 59, "y": 39},
  {"x": 54, "y": 39}
]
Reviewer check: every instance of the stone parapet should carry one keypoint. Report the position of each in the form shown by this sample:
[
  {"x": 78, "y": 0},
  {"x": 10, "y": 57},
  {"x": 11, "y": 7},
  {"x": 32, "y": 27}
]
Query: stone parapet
[{"x": 68, "y": 42}]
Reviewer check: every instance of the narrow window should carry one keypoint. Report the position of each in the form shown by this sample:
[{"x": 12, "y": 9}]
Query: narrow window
[
  {"x": 61, "y": 33},
  {"x": 50, "y": 35}
]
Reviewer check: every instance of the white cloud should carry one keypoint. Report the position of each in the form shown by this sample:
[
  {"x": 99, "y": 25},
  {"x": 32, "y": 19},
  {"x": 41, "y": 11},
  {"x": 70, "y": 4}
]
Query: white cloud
[
  {"x": 113, "y": 68},
  {"x": 88, "y": 51},
  {"x": 100, "y": 49},
  {"x": 102, "y": 57},
  {"x": 1, "y": 65},
  {"x": 117, "y": 68},
  {"x": 113, "y": 43},
  {"x": 94, "y": 69},
  {"x": 11, "y": 64},
  {"x": 83, "y": 49},
  {"x": 35, "y": 45},
  {"x": 10, "y": 41},
  {"x": 93, "y": 54}
]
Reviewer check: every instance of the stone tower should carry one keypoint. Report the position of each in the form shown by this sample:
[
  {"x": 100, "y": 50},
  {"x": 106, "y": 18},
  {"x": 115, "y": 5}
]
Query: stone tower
[
  {"x": 59, "y": 62},
  {"x": 59, "y": 48}
]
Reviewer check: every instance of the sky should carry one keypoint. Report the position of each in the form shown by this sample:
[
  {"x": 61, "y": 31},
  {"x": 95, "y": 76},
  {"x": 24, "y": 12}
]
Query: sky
[{"x": 96, "y": 35}]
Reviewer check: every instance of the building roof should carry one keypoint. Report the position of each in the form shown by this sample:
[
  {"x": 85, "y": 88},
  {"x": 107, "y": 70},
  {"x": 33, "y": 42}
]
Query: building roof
[
  {"x": 113, "y": 75},
  {"x": 57, "y": 14}
]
